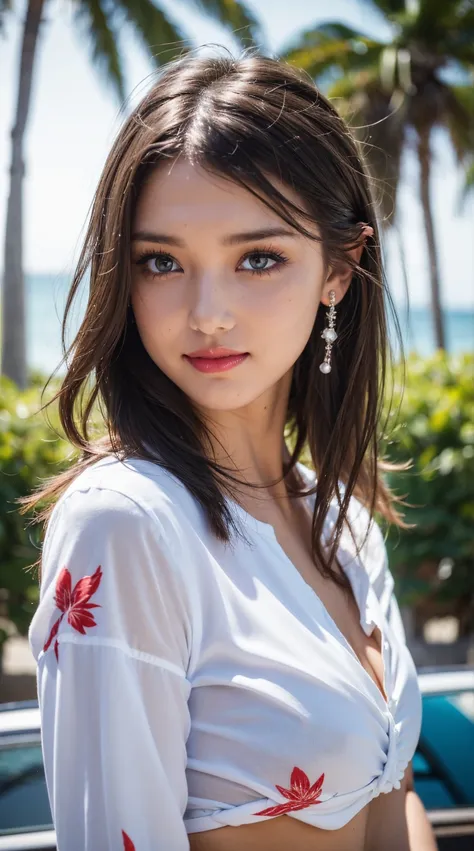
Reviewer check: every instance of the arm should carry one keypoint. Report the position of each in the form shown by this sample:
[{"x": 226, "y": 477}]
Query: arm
[
  {"x": 111, "y": 640},
  {"x": 420, "y": 832}
]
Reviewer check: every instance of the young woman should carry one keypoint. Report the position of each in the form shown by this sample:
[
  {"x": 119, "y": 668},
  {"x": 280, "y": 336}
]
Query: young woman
[{"x": 221, "y": 660}]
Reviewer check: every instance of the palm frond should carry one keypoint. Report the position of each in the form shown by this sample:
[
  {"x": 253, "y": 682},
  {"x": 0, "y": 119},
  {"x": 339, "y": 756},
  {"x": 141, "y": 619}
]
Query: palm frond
[
  {"x": 444, "y": 28},
  {"x": 236, "y": 16},
  {"x": 332, "y": 45},
  {"x": 388, "y": 8},
  {"x": 457, "y": 38},
  {"x": 459, "y": 120},
  {"x": 469, "y": 181},
  {"x": 103, "y": 39},
  {"x": 336, "y": 30},
  {"x": 354, "y": 84},
  {"x": 162, "y": 39},
  {"x": 431, "y": 12},
  {"x": 379, "y": 127},
  {"x": 433, "y": 18}
]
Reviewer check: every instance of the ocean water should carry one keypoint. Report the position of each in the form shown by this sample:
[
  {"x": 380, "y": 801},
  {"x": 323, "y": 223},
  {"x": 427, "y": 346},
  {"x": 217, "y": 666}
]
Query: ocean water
[{"x": 46, "y": 299}]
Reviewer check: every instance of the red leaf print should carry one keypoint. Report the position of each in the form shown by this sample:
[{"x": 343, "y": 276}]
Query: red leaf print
[
  {"x": 75, "y": 604},
  {"x": 300, "y": 794},
  {"x": 63, "y": 590},
  {"x": 127, "y": 842},
  {"x": 53, "y": 633},
  {"x": 86, "y": 587}
]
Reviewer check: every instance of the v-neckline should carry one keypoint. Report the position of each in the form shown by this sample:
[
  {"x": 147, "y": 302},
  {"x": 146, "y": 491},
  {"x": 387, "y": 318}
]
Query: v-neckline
[{"x": 308, "y": 596}]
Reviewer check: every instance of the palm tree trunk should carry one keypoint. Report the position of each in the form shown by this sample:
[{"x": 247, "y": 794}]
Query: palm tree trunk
[
  {"x": 13, "y": 301},
  {"x": 424, "y": 156},
  {"x": 403, "y": 260},
  {"x": 402, "y": 254}
]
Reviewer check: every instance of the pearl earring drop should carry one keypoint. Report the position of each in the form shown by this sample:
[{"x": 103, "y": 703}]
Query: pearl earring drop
[{"x": 329, "y": 334}]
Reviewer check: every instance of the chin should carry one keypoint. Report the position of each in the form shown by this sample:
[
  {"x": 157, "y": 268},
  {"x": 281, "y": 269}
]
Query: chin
[{"x": 220, "y": 398}]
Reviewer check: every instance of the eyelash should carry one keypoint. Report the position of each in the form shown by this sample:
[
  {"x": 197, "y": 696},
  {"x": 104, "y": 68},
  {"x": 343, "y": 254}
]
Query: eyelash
[{"x": 267, "y": 251}]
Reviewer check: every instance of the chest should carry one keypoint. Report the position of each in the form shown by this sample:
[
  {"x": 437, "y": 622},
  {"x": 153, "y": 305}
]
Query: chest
[
  {"x": 283, "y": 675},
  {"x": 339, "y": 603}
]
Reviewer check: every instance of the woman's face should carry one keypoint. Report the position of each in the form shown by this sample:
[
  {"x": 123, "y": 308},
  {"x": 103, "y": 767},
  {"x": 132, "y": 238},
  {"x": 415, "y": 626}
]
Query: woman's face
[{"x": 205, "y": 276}]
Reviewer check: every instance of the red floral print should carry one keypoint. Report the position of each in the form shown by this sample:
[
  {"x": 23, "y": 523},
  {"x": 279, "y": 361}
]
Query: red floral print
[
  {"x": 75, "y": 604},
  {"x": 300, "y": 795},
  {"x": 127, "y": 842}
]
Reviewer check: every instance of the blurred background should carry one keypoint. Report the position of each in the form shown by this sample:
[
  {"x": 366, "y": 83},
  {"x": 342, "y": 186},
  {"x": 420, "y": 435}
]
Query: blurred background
[{"x": 401, "y": 72}]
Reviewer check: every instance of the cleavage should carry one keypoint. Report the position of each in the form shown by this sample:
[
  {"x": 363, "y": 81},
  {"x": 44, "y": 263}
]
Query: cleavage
[{"x": 341, "y": 606}]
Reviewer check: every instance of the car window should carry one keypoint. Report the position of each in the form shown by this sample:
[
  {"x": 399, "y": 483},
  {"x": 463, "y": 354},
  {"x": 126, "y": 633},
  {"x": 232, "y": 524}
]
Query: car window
[
  {"x": 443, "y": 763},
  {"x": 24, "y": 800}
]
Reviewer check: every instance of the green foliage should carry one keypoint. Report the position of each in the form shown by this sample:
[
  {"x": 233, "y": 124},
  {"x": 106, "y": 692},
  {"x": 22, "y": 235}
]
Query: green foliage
[
  {"x": 385, "y": 89},
  {"x": 435, "y": 428},
  {"x": 30, "y": 452}
]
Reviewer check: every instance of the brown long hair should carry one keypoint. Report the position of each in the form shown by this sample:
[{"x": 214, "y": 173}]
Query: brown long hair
[{"x": 246, "y": 119}]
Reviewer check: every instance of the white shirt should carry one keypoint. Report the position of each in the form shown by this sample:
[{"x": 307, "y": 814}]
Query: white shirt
[{"x": 185, "y": 684}]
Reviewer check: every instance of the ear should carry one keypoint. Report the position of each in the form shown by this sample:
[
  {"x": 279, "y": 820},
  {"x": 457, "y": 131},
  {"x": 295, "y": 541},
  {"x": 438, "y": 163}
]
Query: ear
[{"x": 339, "y": 278}]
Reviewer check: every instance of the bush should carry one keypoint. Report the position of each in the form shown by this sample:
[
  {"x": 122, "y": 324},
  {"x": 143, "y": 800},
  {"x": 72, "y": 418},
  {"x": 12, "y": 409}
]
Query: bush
[
  {"x": 30, "y": 451},
  {"x": 434, "y": 562}
]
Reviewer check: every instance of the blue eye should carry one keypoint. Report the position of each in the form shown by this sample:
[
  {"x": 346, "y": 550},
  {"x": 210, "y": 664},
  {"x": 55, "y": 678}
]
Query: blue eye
[
  {"x": 262, "y": 268},
  {"x": 262, "y": 262},
  {"x": 164, "y": 263}
]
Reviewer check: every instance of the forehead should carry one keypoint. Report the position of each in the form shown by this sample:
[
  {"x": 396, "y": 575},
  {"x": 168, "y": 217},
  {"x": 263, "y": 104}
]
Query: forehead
[{"x": 181, "y": 192}]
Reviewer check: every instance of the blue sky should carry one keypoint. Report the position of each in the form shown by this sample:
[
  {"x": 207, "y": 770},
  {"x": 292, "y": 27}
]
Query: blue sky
[{"x": 75, "y": 116}]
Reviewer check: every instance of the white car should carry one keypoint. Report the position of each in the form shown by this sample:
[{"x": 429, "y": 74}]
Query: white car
[{"x": 443, "y": 766}]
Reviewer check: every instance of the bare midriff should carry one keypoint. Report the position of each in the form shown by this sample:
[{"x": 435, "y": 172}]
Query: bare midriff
[{"x": 379, "y": 826}]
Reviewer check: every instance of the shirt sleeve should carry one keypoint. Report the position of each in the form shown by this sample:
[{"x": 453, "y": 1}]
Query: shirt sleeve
[
  {"x": 111, "y": 636},
  {"x": 382, "y": 579},
  {"x": 368, "y": 545}
]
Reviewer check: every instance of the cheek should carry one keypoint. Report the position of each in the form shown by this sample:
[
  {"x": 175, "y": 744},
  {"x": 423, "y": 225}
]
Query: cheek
[
  {"x": 158, "y": 325},
  {"x": 156, "y": 313},
  {"x": 290, "y": 326},
  {"x": 289, "y": 315}
]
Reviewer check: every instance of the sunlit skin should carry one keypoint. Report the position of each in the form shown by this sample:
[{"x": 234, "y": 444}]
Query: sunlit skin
[{"x": 213, "y": 297}]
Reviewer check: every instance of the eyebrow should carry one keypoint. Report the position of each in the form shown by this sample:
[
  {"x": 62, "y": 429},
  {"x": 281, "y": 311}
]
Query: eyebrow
[{"x": 231, "y": 239}]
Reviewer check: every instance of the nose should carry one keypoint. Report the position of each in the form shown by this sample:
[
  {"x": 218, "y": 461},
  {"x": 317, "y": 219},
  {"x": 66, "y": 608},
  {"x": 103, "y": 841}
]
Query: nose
[{"x": 211, "y": 310}]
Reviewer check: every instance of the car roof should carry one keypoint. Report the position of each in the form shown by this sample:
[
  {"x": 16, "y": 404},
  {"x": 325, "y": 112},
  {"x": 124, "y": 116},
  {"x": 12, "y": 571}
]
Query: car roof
[
  {"x": 437, "y": 681},
  {"x": 19, "y": 716}
]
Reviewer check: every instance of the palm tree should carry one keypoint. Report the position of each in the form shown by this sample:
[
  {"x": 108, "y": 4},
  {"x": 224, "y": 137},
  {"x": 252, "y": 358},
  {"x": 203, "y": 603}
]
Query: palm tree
[
  {"x": 102, "y": 23},
  {"x": 468, "y": 185},
  {"x": 402, "y": 90}
]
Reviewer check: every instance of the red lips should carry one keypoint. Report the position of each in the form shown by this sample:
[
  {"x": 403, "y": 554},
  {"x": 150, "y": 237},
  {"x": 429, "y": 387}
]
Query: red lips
[{"x": 219, "y": 352}]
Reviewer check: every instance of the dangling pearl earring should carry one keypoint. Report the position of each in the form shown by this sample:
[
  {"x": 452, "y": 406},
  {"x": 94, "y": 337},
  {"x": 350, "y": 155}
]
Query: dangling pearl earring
[{"x": 329, "y": 334}]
